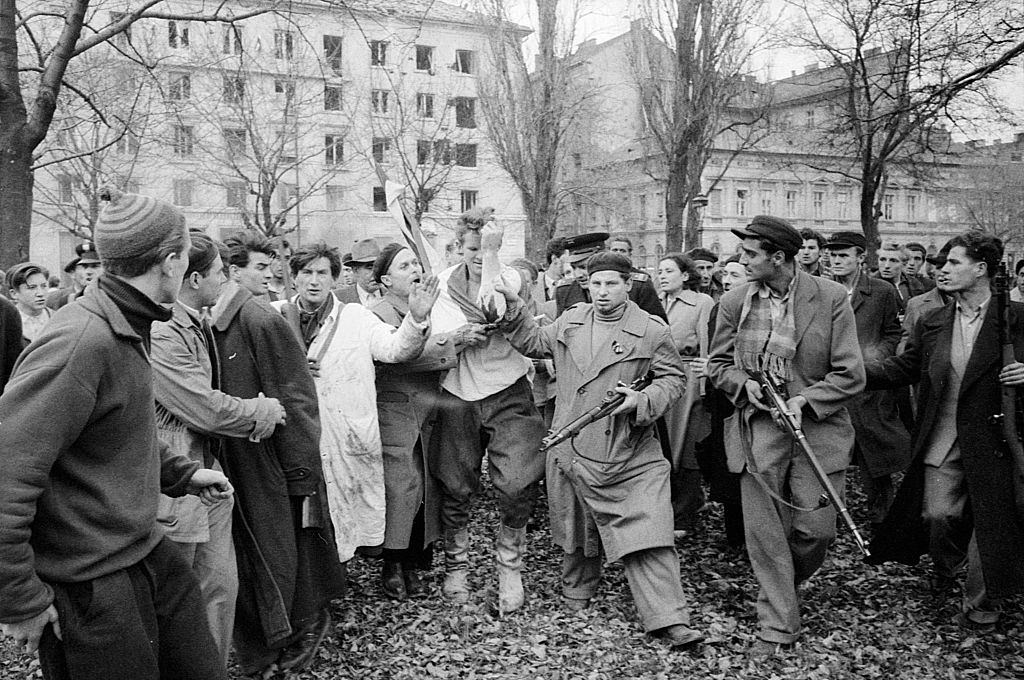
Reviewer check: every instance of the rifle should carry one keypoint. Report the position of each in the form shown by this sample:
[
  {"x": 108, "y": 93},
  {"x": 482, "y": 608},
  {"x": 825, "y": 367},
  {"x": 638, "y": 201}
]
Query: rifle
[
  {"x": 773, "y": 388},
  {"x": 1009, "y": 419},
  {"x": 611, "y": 401}
]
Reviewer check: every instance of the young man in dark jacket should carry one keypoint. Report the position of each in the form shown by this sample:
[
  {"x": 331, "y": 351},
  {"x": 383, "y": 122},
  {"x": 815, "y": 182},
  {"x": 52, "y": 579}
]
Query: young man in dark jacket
[{"x": 82, "y": 563}]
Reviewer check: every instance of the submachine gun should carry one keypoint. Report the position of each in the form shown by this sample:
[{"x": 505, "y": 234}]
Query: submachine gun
[
  {"x": 774, "y": 389},
  {"x": 1011, "y": 417},
  {"x": 611, "y": 401}
]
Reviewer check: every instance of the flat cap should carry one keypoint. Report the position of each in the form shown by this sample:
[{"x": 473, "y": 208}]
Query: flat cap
[
  {"x": 939, "y": 258},
  {"x": 775, "y": 230},
  {"x": 584, "y": 245},
  {"x": 702, "y": 254},
  {"x": 846, "y": 239}
]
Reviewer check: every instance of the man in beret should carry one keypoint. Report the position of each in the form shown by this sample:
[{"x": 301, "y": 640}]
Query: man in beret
[
  {"x": 706, "y": 262},
  {"x": 569, "y": 292},
  {"x": 84, "y": 269},
  {"x": 608, "y": 489},
  {"x": 364, "y": 290},
  {"x": 882, "y": 446},
  {"x": 801, "y": 329},
  {"x": 86, "y": 576}
]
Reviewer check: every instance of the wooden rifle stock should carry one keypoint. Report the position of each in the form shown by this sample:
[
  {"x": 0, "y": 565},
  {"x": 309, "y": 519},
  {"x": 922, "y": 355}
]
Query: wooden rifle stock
[
  {"x": 1009, "y": 419},
  {"x": 611, "y": 402}
]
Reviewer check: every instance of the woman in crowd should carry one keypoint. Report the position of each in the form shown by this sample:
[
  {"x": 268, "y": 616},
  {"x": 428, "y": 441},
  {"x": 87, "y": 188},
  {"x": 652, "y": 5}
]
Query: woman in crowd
[
  {"x": 687, "y": 312},
  {"x": 406, "y": 405}
]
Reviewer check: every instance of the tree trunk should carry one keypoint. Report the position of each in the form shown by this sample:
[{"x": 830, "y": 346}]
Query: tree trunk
[{"x": 16, "y": 184}]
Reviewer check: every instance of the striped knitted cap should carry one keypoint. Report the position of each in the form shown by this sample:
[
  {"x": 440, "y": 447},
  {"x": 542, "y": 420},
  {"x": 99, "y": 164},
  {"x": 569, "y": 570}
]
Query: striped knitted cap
[{"x": 131, "y": 225}]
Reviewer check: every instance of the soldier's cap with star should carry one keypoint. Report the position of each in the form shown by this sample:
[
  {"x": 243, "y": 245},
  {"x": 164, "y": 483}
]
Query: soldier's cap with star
[
  {"x": 582, "y": 246},
  {"x": 85, "y": 254}
]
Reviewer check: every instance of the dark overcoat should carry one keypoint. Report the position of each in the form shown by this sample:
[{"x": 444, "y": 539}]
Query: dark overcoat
[
  {"x": 259, "y": 352},
  {"x": 988, "y": 466},
  {"x": 882, "y": 439}
]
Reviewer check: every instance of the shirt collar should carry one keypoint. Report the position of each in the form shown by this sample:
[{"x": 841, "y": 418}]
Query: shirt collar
[{"x": 972, "y": 315}]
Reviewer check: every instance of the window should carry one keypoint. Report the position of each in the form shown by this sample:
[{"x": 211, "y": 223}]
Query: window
[
  {"x": 234, "y": 142},
  {"x": 177, "y": 34},
  {"x": 818, "y": 204},
  {"x": 842, "y": 204},
  {"x": 465, "y": 112},
  {"x": 287, "y": 196},
  {"x": 378, "y": 53},
  {"x": 792, "y": 196},
  {"x": 124, "y": 37},
  {"x": 232, "y": 39},
  {"x": 284, "y": 45},
  {"x": 423, "y": 149},
  {"x": 887, "y": 203},
  {"x": 334, "y": 150},
  {"x": 288, "y": 146},
  {"x": 442, "y": 152},
  {"x": 66, "y": 188},
  {"x": 127, "y": 143},
  {"x": 425, "y": 105},
  {"x": 332, "y": 98},
  {"x": 643, "y": 209},
  {"x": 380, "y": 200},
  {"x": 334, "y": 196},
  {"x": 767, "y": 193},
  {"x": 285, "y": 87},
  {"x": 809, "y": 121},
  {"x": 179, "y": 86},
  {"x": 379, "y": 101},
  {"x": 332, "y": 52},
  {"x": 741, "y": 201},
  {"x": 236, "y": 193},
  {"x": 469, "y": 197},
  {"x": 424, "y": 58},
  {"x": 464, "y": 61},
  {"x": 381, "y": 147},
  {"x": 183, "y": 140},
  {"x": 183, "y": 190},
  {"x": 465, "y": 155},
  {"x": 659, "y": 205},
  {"x": 234, "y": 89},
  {"x": 911, "y": 208},
  {"x": 715, "y": 203}
]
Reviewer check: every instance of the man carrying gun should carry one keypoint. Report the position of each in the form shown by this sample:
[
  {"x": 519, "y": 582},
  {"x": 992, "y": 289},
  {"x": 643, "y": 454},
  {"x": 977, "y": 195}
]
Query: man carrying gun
[
  {"x": 801, "y": 329},
  {"x": 608, "y": 487}
]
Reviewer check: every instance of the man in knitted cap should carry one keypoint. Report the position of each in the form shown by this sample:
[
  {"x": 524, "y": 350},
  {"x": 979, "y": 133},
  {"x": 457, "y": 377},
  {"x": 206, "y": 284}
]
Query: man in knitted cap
[
  {"x": 801, "y": 329},
  {"x": 85, "y": 574}
]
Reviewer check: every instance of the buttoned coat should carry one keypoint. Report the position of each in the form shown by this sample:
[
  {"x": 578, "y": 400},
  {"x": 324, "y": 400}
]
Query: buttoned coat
[
  {"x": 883, "y": 440},
  {"x": 827, "y": 371},
  {"x": 610, "y": 485},
  {"x": 998, "y": 525}
]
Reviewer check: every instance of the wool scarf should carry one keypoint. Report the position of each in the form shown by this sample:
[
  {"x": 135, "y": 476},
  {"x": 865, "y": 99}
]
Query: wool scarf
[{"x": 762, "y": 345}]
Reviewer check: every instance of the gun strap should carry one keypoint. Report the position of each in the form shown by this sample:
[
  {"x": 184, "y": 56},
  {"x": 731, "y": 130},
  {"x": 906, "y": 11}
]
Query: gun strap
[{"x": 752, "y": 470}]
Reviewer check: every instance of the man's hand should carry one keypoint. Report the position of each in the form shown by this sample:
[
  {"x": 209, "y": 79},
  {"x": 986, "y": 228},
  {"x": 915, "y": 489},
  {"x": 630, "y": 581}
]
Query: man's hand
[
  {"x": 26, "y": 634},
  {"x": 511, "y": 295},
  {"x": 471, "y": 335},
  {"x": 796, "y": 407},
  {"x": 491, "y": 236},
  {"x": 422, "y": 298},
  {"x": 755, "y": 396},
  {"x": 1012, "y": 375},
  {"x": 699, "y": 365},
  {"x": 211, "y": 486},
  {"x": 631, "y": 402}
]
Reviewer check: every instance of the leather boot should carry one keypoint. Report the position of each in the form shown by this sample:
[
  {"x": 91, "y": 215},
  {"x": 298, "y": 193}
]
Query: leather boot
[
  {"x": 391, "y": 580},
  {"x": 456, "y": 563},
  {"x": 508, "y": 551}
]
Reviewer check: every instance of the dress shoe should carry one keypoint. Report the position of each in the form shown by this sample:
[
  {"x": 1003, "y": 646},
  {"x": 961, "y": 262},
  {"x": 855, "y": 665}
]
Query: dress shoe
[
  {"x": 391, "y": 580},
  {"x": 679, "y": 637},
  {"x": 298, "y": 654}
]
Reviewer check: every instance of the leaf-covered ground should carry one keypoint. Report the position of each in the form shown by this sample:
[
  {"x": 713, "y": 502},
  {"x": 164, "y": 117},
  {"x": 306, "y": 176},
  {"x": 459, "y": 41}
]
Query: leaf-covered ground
[{"x": 860, "y": 622}]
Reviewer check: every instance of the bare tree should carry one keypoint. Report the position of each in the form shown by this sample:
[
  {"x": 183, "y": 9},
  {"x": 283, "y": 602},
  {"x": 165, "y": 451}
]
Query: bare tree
[
  {"x": 899, "y": 70},
  {"x": 690, "y": 62},
  {"x": 55, "y": 35},
  {"x": 531, "y": 115},
  {"x": 988, "y": 193}
]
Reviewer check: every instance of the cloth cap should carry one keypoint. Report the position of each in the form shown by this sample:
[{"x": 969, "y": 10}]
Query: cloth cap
[
  {"x": 846, "y": 239},
  {"x": 702, "y": 254},
  {"x": 584, "y": 245},
  {"x": 84, "y": 253},
  {"x": 775, "y": 230},
  {"x": 383, "y": 262},
  {"x": 363, "y": 252},
  {"x": 605, "y": 262},
  {"x": 917, "y": 247},
  {"x": 131, "y": 225},
  {"x": 939, "y": 258}
]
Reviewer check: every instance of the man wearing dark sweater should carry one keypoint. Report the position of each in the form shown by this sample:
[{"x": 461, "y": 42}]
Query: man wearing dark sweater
[{"x": 85, "y": 574}]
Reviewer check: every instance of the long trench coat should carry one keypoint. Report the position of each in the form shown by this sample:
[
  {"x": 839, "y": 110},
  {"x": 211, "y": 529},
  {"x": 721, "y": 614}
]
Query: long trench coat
[
  {"x": 349, "y": 341},
  {"x": 406, "y": 408},
  {"x": 609, "y": 487},
  {"x": 988, "y": 466}
]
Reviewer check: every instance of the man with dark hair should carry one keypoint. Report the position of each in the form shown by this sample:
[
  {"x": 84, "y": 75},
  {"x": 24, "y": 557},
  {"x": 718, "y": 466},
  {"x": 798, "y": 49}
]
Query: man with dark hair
[
  {"x": 249, "y": 260},
  {"x": 277, "y": 290},
  {"x": 810, "y": 251},
  {"x": 621, "y": 245},
  {"x": 83, "y": 565},
  {"x": 608, "y": 490},
  {"x": 958, "y": 500},
  {"x": 287, "y": 566},
  {"x": 26, "y": 283},
  {"x": 801, "y": 329},
  {"x": 191, "y": 414},
  {"x": 547, "y": 282},
  {"x": 882, "y": 446}
]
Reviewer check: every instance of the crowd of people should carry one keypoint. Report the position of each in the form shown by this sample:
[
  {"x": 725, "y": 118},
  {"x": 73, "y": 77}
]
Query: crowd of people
[{"x": 199, "y": 436}]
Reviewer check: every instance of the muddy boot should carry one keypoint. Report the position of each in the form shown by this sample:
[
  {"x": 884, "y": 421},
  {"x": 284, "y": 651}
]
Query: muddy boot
[
  {"x": 508, "y": 551},
  {"x": 456, "y": 564}
]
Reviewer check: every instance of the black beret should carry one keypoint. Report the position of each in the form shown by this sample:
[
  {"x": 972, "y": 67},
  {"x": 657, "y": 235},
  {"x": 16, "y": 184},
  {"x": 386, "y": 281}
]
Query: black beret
[
  {"x": 775, "y": 230},
  {"x": 702, "y": 254},
  {"x": 584, "y": 245},
  {"x": 383, "y": 262},
  {"x": 600, "y": 262},
  {"x": 846, "y": 239}
]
